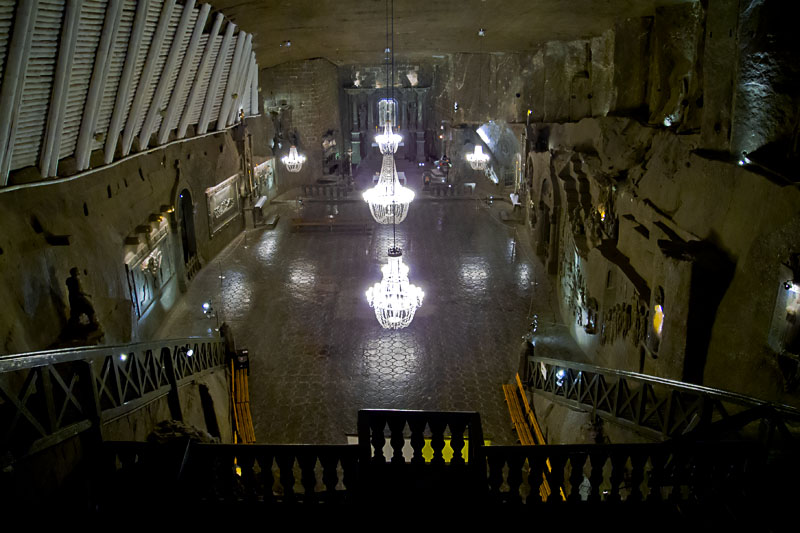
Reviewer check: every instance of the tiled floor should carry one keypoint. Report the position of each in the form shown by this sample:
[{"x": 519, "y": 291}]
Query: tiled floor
[{"x": 296, "y": 301}]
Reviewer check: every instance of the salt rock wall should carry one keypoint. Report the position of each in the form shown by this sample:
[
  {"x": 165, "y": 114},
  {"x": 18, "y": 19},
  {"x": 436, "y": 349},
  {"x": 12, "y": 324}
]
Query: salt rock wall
[
  {"x": 302, "y": 97},
  {"x": 86, "y": 221},
  {"x": 672, "y": 254}
]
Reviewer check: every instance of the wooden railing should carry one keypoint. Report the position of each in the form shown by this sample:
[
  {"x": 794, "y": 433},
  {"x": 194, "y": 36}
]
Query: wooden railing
[
  {"x": 654, "y": 407},
  {"x": 47, "y": 397}
]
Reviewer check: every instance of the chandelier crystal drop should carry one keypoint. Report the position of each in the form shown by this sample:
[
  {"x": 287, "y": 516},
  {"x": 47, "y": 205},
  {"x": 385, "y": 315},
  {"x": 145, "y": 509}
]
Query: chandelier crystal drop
[
  {"x": 388, "y": 141},
  {"x": 395, "y": 299},
  {"x": 477, "y": 159},
  {"x": 293, "y": 161},
  {"x": 388, "y": 200}
]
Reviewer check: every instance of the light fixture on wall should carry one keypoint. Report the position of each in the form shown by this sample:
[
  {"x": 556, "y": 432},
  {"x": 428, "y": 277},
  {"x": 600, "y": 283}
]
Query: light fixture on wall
[
  {"x": 395, "y": 299},
  {"x": 294, "y": 161},
  {"x": 388, "y": 200},
  {"x": 477, "y": 159}
]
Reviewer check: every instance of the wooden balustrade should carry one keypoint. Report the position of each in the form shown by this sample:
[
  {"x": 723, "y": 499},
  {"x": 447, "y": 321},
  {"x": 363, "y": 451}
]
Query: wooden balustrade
[{"x": 668, "y": 472}]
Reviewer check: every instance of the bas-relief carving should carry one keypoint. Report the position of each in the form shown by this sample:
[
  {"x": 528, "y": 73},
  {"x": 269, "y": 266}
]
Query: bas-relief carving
[{"x": 625, "y": 320}]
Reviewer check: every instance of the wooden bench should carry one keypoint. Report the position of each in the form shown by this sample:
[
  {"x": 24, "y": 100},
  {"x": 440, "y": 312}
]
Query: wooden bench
[
  {"x": 330, "y": 223},
  {"x": 272, "y": 220},
  {"x": 524, "y": 420},
  {"x": 518, "y": 415}
]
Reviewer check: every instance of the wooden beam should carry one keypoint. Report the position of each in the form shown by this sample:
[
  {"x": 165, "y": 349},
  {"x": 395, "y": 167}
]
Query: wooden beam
[
  {"x": 118, "y": 116},
  {"x": 102, "y": 64},
  {"x": 14, "y": 80},
  {"x": 238, "y": 87},
  {"x": 188, "y": 59},
  {"x": 48, "y": 157},
  {"x": 244, "y": 88},
  {"x": 244, "y": 74},
  {"x": 213, "y": 84},
  {"x": 205, "y": 63},
  {"x": 147, "y": 76},
  {"x": 233, "y": 75},
  {"x": 164, "y": 75},
  {"x": 254, "y": 89}
]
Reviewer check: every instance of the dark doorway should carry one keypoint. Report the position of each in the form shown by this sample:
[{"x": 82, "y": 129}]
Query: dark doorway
[{"x": 186, "y": 218}]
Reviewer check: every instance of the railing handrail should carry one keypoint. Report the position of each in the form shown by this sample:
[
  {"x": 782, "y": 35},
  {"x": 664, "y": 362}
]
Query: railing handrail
[
  {"x": 20, "y": 361},
  {"x": 721, "y": 394}
]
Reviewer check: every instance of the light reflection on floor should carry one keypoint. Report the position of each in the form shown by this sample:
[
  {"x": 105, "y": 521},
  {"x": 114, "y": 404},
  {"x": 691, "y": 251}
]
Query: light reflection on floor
[{"x": 296, "y": 301}]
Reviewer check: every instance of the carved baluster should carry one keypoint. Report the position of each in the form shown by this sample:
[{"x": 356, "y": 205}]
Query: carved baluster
[
  {"x": 557, "y": 461},
  {"x": 577, "y": 462},
  {"x": 496, "y": 462},
  {"x": 349, "y": 475},
  {"x": 437, "y": 425},
  {"x": 308, "y": 462},
  {"x": 655, "y": 479},
  {"x": 695, "y": 473},
  {"x": 266, "y": 476},
  {"x": 377, "y": 425},
  {"x": 396, "y": 427},
  {"x": 596, "y": 477},
  {"x": 247, "y": 478},
  {"x": 514, "y": 480},
  {"x": 417, "y": 426},
  {"x": 457, "y": 429},
  {"x": 537, "y": 463},
  {"x": 677, "y": 476},
  {"x": 285, "y": 462},
  {"x": 330, "y": 477},
  {"x": 618, "y": 460},
  {"x": 637, "y": 476}
]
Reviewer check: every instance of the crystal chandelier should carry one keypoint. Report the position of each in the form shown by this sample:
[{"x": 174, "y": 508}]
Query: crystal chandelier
[
  {"x": 388, "y": 200},
  {"x": 293, "y": 161},
  {"x": 395, "y": 299},
  {"x": 388, "y": 141},
  {"x": 477, "y": 159}
]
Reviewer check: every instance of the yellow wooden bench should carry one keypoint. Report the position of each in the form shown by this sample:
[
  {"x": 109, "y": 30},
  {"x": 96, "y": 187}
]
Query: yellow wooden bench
[
  {"x": 243, "y": 431},
  {"x": 524, "y": 421},
  {"x": 518, "y": 415}
]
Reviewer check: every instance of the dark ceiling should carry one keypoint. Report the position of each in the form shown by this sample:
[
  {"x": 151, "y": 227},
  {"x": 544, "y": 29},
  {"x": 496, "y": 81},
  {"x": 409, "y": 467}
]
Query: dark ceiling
[{"x": 353, "y": 31}]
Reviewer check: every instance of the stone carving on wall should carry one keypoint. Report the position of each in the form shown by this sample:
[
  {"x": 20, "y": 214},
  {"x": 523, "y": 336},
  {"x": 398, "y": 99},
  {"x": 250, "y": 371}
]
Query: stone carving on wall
[
  {"x": 82, "y": 320},
  {"x": 223, "y": 204},
  {"x": 149, "y": 267},
  {"x": 625, "y": 320}
]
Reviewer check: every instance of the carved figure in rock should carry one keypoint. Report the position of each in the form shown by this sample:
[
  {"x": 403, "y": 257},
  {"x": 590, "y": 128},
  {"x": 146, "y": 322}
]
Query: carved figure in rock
[
  {"x": 362, "y": 116},
  {"x": 412, "y": 115},
  {"x": 81, "y": 310}
]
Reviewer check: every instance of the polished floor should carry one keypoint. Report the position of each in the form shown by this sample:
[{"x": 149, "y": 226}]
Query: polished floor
[{"x": 297, "y": 301}]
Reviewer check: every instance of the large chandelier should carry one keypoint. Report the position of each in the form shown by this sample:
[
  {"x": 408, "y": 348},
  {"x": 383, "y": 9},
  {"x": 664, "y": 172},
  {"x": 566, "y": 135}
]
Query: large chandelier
[
  {"x": 388, "y": 141},
  {"x": 293, "y": 161},
  {"x": 477, "y": 159},
  {"x": 388, "y": 200},
  {"x": 395, "y": 299}
]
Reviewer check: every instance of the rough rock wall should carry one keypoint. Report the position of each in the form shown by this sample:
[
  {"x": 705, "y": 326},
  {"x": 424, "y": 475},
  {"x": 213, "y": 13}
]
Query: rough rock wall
[
  {"x": 767, "y": 97},
  {"x": 672, "y": 259},
  {"x": 646, "y": 221},
  {"x": 84, "y": 222},
  {"x": 303, "y": 99}
]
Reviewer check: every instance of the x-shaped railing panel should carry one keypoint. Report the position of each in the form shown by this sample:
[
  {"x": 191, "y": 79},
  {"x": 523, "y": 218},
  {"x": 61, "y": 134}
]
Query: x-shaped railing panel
[{"x": 656, "y": 407}]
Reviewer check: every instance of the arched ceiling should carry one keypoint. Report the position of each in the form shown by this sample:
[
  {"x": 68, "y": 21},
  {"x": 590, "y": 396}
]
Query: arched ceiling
[{"x": 352, "y": 31}]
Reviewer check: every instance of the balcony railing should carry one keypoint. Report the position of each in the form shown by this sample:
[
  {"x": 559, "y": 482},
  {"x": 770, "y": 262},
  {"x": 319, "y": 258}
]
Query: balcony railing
[
  {"x": 661, "y": 475},
  {"x": 47, "y": 397},
  {"x": 655, "y": 407}
]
